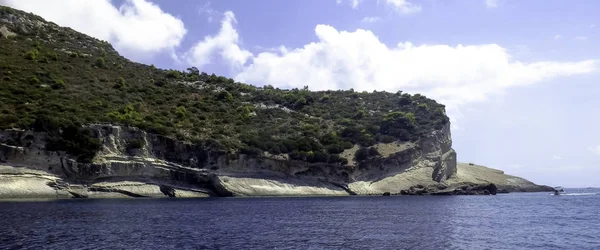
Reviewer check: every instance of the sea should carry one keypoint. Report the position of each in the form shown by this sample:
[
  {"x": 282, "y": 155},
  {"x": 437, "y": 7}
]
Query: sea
[{"x": 503, "y": 221}]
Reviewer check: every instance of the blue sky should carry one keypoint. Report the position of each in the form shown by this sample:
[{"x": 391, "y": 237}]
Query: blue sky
[{"x": 519, "y": 78}]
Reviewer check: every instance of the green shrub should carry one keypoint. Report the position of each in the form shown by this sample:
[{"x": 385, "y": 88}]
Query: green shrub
[
  {"x": 135, "y": 144},
  {"x": 53, "y": 56},
  {"x": 34, "y": 80},
  {"x": 334, "y": 159},
  {"x": 298, "y": 155},
  {"x": 363, "y": 154},
  {"x": 38, "y": 45},
  {"x": 251, "y": 151},
  {"x": 335, "y": 149},
  {"x": 100, "y": 63},
  {"x": 317, "y": 156},
  {"x": 225, "y": 95},
  {"x": 58, "y": 84},
  {"x": 173, "y": 74},
  {"x": 120, "y": 83},
  {"x": 66, "y": 136},
  {"x": 32, "y": 54},
  {"x": 160, "y": 82},
  {"x": 181, "y": 112}
]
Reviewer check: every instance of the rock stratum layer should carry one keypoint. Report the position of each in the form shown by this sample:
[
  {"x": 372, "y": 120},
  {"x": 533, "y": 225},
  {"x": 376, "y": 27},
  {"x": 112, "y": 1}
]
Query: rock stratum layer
[{"x": 164, "y": 167}]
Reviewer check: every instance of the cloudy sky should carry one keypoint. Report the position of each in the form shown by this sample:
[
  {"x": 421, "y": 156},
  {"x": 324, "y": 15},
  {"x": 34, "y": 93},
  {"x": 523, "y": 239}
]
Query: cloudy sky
[{"x": 519, "y": 78}]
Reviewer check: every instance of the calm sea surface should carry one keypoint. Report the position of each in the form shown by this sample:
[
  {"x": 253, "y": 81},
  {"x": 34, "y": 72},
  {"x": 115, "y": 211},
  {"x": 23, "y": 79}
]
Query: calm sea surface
[{"x": 506, "y": 221}]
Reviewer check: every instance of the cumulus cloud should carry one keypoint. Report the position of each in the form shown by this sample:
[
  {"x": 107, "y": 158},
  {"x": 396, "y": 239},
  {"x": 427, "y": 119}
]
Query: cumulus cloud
[
  {"x": 402, "y": 6},
  {"x": 371, "y": 19},
  {"x": 491, "y": 3},
  {"x": 135, "y": 27},
  {"x": 353, "y": 3},
  {"x": 581, "y": 38},
  {"x": 224, "y": 43},
  {"x": 453, "y": 75}
]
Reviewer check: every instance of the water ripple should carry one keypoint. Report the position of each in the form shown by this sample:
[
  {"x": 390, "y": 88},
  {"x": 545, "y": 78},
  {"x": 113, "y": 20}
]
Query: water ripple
[{"x": 514, "y": 221}]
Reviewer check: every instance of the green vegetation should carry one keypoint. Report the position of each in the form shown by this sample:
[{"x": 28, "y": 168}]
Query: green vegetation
[
  {"x": 120, "y": 83},
  {"x": 363, "y": 154},
  {"x": 134, "y": 144},
  {"x": 32, "y": 54},
  {"x": 84, "y": 80},
  {"x": 100, "y": 63}
]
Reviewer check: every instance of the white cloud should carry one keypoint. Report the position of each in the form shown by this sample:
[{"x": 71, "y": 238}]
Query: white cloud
[
  {"x": 209, "y": 12},
  {"x": 224, "y": 43},
  {"x": 581, "y": 38},
  {"x": 353, "y": 3},
  {"x": 453, "y": 75},
  {"x": 592, "y": 26},
  {"x": 556, "y": 37},
  {"x": 402, "y": 6},
  {"x": 371, "y": 19},
  {"x": 136, "y": 27},
  {"x": 557, "y": 157},
  {"x": 491, "y": 3},
  {"x": 595, "y": 149}
]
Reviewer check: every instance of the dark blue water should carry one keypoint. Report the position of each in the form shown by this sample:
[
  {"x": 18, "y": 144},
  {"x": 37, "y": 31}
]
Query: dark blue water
[{"x": 507, "y": 221}]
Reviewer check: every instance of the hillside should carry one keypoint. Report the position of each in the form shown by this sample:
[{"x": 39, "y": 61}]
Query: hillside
[
  {"x": 54, "y": 79},
  {"x": 79, "y": 120}
]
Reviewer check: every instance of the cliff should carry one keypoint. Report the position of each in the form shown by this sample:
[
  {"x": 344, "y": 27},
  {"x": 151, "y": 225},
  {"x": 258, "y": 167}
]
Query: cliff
[
  {"x": 79, "y": 120},
  {"x": 164, "y": 167}
]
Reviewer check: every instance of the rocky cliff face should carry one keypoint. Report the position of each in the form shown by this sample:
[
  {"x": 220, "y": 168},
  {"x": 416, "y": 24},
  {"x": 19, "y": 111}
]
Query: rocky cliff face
[{"x": 155, "y": 165}]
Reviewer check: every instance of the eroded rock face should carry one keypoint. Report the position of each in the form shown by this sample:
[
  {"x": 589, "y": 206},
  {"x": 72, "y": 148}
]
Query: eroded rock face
[
  {"x": 465, "y": 189},
  {"x": 6, "y": 33},
  {"x": 429, "y": 161},
  {"x": 165, "y": 164}
]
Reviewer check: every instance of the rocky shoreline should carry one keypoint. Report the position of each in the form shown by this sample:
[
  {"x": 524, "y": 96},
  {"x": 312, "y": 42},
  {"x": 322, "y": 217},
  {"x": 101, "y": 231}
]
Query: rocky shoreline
[
  {"x": 24, "y": 183},
  {"x": 164, "y": 167}
]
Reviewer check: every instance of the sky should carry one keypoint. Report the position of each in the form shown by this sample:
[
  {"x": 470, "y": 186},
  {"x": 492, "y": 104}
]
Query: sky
[{"x": 519, "y": 78}]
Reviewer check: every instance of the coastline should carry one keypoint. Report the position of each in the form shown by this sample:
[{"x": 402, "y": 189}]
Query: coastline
[{"x": 18, "y": 183}]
